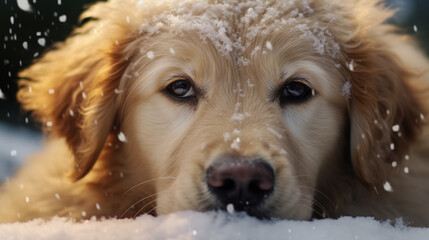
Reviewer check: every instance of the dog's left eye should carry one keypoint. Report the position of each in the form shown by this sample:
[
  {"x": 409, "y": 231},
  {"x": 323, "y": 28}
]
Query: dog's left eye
[
  {"x": 181, "y": 88},
  {"x": 295, "y": 92}
]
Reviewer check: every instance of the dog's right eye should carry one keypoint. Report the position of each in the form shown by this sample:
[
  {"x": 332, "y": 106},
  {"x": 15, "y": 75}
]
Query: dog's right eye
[
  {"x": 295, "y": 91},
  {"x": 181, "y": 89}
]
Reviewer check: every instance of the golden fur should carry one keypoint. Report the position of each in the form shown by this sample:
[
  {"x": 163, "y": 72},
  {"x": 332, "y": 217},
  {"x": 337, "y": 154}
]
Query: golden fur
[{"x": 331, "y": 154}]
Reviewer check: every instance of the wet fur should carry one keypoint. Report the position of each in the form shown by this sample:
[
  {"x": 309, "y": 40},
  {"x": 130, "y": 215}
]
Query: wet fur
[{"x": 331, "y": 155}]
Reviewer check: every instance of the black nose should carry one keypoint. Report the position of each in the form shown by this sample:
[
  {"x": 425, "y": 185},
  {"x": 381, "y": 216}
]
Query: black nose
[{"x": 239, "y": 181}]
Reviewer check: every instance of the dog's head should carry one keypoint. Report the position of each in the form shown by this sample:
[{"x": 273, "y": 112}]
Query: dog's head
[{"x": 247, "y": 103}]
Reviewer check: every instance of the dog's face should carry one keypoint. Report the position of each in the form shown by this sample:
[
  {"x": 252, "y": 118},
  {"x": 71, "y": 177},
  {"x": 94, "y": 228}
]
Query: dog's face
[
  {"x": 254, "y": 121},
  {"x": 192, "y": 111}
]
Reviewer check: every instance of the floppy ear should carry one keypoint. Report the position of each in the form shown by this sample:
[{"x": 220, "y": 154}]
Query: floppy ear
[
  {"x": 384, "y": 110},
  {"x": 71, "y": 90}
]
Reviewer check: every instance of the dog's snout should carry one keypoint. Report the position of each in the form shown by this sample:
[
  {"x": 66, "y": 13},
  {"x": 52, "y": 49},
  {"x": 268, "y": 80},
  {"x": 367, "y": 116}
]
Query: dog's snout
[{"x": 244, "y": 183}]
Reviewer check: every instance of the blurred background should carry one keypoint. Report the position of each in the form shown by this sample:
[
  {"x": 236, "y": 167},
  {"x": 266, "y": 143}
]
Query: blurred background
[{"x": 28, "y": 27}]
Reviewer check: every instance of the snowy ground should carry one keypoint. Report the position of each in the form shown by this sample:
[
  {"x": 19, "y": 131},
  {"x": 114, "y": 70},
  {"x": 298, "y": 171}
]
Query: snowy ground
[
  {"x": 193, "y": 225},
  {"x": 15, "y": 144}
]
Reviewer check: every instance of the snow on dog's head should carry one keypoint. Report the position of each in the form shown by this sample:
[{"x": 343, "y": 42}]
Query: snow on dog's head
[{"x": 204, "y": 104}]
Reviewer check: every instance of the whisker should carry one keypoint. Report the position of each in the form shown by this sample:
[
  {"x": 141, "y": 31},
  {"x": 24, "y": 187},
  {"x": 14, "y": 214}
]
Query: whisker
[
  {"x": 151, "y": 180},
  {"x": 319, "y": 206},
  {"x": 154, "y": 208},
  {"x": 139, "y": 201},
  {"x": 138, "y": 212},
  {"x": 329, "y": 201}
]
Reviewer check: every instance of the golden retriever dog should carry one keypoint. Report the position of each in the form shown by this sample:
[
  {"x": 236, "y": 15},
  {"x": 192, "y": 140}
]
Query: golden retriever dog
[{"x": 281, "y": 109}]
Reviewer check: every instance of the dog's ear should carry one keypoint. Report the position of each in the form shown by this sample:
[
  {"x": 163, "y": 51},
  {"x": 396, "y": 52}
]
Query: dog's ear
[
  {"x": 71, "y": 90},
  {"x": 384, "y": 110}
]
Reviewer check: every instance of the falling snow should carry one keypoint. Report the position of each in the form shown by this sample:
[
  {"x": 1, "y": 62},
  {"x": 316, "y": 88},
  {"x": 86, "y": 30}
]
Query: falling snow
[
  {"x": 236, "y": 131},
  {"x": 41, "y": 41},
  {"x": 346, "y": 90},
  {"x": 62, "y": 18},
  {"x": 13, "y": 153},
  {"x": 240, "y": 116},
  {"x": 387, "y": 187},
  {"x": 395, "y": 128},
  {"x": 274, "y": 132},
  {"x": 121, "y": 137},
  {"x": 150, "y": 55},
  {"x": 226, "y": 137},
  {"x": 24, "y": 5},
  {"x": 2, "y": 95},
  {"x": 406, "y": 170},
  {"x": 230, "y": 208},
  {"x": 268, "y": 45},
  {"x": 117, "y": 91},
  {"x": 236, "y": 144},
  {"x": 351, "y": 66}
]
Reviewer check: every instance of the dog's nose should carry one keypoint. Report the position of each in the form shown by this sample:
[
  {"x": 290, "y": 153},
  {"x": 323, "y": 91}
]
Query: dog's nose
[{"x": 244, "y": 183}]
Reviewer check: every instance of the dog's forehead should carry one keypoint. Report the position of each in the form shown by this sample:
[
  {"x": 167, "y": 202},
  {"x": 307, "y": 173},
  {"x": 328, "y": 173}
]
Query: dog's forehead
[
  {"x": 233, "y": 26},
  {"x": 248, "y": 42}
]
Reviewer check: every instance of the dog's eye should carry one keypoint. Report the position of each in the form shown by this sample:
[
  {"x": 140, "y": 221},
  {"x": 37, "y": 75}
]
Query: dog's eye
[
  {"x": 295, "y": 92},
  {"x": 181, "y": 88}
]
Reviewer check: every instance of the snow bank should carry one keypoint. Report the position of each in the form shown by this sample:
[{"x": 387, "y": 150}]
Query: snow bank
[{"x": 212, "y": 225}]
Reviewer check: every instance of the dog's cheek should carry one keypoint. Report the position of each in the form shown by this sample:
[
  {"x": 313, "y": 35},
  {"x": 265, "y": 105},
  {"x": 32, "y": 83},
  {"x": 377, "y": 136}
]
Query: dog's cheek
[
  {"x": 318, "y": 131},
  {"x": 152, "y": 129}
]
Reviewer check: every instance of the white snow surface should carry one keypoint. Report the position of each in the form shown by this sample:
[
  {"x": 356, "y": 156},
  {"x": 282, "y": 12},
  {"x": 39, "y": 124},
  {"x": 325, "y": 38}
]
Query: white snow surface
[
  {"x": 211, "y": 225},
  {"x": 17, "y": 143}
]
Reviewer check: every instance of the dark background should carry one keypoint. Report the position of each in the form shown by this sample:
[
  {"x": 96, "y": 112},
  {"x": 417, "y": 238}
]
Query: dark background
[{"x": 18, "y": 26}]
